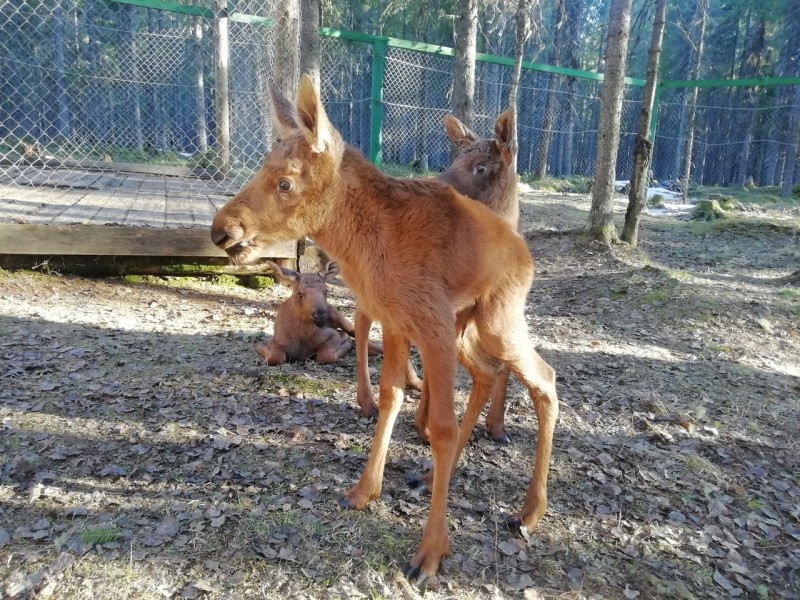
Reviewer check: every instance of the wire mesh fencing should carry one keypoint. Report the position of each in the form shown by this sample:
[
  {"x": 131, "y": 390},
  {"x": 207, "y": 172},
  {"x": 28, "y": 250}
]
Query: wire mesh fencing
[
  {"x": 93, "y": 85},
  {"x": 99, "y": 84},
  {"x": 741, "y": 135}
]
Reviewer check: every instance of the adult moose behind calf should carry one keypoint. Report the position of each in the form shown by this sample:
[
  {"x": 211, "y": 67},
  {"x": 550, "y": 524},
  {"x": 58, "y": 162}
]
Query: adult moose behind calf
[{"x": 435, "y": 268}]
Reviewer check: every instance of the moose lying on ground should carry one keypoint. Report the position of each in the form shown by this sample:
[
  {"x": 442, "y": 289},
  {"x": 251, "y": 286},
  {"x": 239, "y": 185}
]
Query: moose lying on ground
[
  {"x": 434, "y": 268},
  {"x": 305, "y": 324},
  {"x": 484, "y": 171}
]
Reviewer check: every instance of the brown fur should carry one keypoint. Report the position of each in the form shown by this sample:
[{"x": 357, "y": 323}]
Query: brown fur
[
  {"x": 484, "y": 171},
  {"x": 305, "y": 324},
  {"x": 435, "y": 268}
]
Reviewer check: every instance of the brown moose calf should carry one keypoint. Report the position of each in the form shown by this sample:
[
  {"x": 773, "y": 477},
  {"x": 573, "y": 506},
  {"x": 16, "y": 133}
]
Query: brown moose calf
[{"x": 306, "y": 325}]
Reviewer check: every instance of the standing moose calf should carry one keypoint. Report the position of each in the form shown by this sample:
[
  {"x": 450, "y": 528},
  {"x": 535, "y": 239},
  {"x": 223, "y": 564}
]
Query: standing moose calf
[
  {"x": 435, "y": 268},
  {"x": 305, "y": 324}
]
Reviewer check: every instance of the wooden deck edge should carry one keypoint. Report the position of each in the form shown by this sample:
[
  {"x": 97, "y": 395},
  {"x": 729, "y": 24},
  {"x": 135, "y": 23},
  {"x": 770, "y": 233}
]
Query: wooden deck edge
[{"x": 116, "y": 240}]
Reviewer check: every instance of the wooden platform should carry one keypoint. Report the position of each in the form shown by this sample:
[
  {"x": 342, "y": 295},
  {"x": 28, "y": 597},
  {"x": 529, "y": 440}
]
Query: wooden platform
[{"x": 111, "y": 213}]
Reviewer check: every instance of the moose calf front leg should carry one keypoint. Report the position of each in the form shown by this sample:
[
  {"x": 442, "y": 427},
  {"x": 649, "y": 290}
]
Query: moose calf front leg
[
  {"x": 271, "y": 352},
  {"x": 395, "y": 355}
]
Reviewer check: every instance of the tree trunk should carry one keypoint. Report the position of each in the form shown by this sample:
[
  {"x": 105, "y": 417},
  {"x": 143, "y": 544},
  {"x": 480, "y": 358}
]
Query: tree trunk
[
  {"x": 522, "y": 33},
  {"x": 643, "y": 148},
  {"x": 62, "y": 101},
  {"x": 600, "y": 225},
  {"x": 549, "y": 114},
  {"x": 310, "y": 21},
  {"x": 92, "y": 105},
  {"x": 465, "y": 35},
  {"x": 201, "y": 130},
  {"x": 574, "y": 10},
  {"x": 221, "y": 88},
  {"x": 134, "y": 92},
  {"x": 702, "y": 7},
  {"x": 287, "y": 47}
]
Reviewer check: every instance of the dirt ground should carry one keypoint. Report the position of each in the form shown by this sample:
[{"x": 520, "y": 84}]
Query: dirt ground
[{"x": 148, "y": 453}]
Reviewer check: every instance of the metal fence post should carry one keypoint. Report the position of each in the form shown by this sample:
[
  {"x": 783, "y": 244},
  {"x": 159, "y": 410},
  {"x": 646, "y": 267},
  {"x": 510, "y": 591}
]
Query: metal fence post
[
  {"x": 221, "y": 99},
  {"x": 376, "y": 103}
]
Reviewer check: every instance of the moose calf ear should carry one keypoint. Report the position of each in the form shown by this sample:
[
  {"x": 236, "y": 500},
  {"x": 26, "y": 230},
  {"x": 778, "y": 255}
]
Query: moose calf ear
[
  {"x": 312, "y": 117},
  {"x": 331, "y": 270},
  {"x": 281, "y": 275},
  {"x": 282, "y": 112},
  {"x": 458, "y": 133},
  {"x": 503, "y": 128}
]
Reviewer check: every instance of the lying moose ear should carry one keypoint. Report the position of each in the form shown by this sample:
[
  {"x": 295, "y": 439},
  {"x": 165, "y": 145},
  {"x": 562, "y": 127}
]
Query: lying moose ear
[
  {"x": 331, "y": 270},
  {"x": 313, "y": 120},
  {"x": 282, "y": 112},
  {"x": 458, "y": 133},
  {"x": 281, "y": 275}
]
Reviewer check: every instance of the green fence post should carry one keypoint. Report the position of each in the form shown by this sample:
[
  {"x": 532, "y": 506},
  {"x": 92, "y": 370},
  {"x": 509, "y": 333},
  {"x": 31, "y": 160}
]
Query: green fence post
[{"x": 376, "y": 103}]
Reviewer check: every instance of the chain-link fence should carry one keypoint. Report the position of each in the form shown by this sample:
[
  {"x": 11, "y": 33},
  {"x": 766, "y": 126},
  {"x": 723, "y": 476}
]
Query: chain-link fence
[
  {"x": 94, "y": 84},
  {"x": 101, "y": 83},
  {"x": 741, "y": 134}
]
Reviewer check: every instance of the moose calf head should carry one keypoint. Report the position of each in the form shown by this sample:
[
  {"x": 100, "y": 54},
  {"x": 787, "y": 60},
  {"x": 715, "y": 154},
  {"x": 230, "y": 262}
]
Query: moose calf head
[
  {"x": 309, "y": 291},
  {"x": 287, "y": 198}
]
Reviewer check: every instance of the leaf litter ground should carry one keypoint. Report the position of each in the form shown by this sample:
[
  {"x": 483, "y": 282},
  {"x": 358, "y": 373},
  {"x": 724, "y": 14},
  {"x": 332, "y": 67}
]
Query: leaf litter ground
[{"x": 147, "y": 452}]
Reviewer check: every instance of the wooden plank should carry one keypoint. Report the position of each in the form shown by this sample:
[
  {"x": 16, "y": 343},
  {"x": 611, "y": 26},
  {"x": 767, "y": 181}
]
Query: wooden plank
[{"x": 90, "y": 240}]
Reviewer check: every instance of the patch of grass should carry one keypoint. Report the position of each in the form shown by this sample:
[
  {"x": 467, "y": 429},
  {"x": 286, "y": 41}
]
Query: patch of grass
[
  {"x": 658, "y": 295},
  {"x": 740, "y": 225},
  {"x": 304, "y": 385},
  {"x": 569, "y": 185},
  {"x": 755, "y": 504},
  {"x": 100, "y": 535},
  {"x": 790, "y": 293},
  {"x": 753, "y": 195},
  {"x": 716, "y": 348}
]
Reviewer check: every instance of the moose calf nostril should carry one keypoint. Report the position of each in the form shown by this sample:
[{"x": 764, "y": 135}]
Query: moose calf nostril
[{"x": 219, "y": 237}]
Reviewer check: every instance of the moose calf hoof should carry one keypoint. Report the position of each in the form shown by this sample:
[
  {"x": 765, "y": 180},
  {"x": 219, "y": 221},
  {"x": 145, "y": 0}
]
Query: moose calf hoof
[
  {"x": 355, "y": 500},
  {"x": 499, "y": 435},
  {"x": 369, "y": 409},
  {"x": 514, "y": 525}
]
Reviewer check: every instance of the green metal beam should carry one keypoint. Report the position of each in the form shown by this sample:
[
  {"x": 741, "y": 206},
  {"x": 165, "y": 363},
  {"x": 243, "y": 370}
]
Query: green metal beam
[
  {"x": 391, "y": 42},
  {"x": 197, "y": 11},
  {"x": 710, "y": 83},
  {"x": 175, "y": 7}
]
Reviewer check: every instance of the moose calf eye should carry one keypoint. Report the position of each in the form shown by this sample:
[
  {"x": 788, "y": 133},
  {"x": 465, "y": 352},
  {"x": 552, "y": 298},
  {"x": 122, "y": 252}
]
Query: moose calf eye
[
  {"x": 481, "y": 169},
  {"x": 284, "y": 185}
]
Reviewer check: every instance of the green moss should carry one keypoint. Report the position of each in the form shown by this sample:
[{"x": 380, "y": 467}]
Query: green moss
[
  {"x": 188, "y": 269},
  {"x": 258, "y": 282},
  {"x": 225, "y": 280}
]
